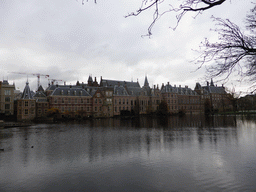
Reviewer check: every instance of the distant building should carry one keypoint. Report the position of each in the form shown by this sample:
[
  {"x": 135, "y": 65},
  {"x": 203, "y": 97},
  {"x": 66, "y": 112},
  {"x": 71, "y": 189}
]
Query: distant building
[
  {"x": 26, "y": 105},
  {"x": 6, "y": 98},
  {"x": 71, "y": 101},
  {"x": 42, "y": 104},
  {"x": 114, "y": 97},
  {"x": 216, "y": 96}
]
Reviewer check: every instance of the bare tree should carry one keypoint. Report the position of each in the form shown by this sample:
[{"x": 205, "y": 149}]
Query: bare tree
[{"x": 234, "y": 50}]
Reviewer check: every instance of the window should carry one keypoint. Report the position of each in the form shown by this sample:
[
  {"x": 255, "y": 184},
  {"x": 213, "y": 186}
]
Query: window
[
  {"x": 26, "y": 103},
  {"x": 7, "y": 92},
  {"x": 26, "y": 111},
  {"x": 95, "y": 109},
  {"x": 7, "y": 106},
  {"x": 55, "y": 100},
  {"x": 62, "y": 100},
  {"x": 95, "y": 101},
  {"x": 7, "y": 99},
  {"x": 82, "y": 100}
]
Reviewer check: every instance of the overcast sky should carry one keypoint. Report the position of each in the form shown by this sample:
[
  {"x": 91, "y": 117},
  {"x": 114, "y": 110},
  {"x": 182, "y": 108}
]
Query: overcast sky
[{"x": 69, "y": 41}]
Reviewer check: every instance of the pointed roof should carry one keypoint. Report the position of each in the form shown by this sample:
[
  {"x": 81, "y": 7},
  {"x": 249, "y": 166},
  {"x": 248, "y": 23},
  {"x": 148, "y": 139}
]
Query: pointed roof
[
  {"x": 146, "y": 82},
  {"x": 40, "y": 88},
  {"x": 212, "y": 83},
  {"x": 90, "y": 79},
  {"x": 26, "y": 92}
]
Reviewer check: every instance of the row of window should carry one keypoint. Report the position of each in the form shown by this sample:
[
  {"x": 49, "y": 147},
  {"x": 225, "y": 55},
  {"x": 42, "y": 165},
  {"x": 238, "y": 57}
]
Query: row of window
[
  {"x": 26, "y": 104},
  {"x": 26, "y": 112},
  {"x": 69, "y": 100}
]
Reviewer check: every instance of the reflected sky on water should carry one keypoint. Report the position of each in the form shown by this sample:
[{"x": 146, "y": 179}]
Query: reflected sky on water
[{"x": 190, "y": 153}]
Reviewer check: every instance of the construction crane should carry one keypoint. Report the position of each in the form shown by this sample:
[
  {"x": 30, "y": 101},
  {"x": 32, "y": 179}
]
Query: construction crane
[
  {"x": 53, "y": 80},
  {"x": 35, "y": 74}
]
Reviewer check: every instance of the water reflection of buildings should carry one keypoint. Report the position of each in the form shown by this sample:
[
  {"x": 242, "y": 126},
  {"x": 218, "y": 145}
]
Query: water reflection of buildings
[
  {"x": 147, "y": 136},
  {"x": 115, "y": 138}
]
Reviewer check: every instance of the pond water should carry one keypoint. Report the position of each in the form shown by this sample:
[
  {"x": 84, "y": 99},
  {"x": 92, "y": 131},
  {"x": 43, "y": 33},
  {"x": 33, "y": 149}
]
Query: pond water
[{"x": 191, "y": 153}]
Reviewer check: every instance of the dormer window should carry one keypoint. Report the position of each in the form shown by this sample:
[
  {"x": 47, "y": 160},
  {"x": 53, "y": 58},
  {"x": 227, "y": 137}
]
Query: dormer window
[
  {"x": 68, "y": 92},
  {"x": 81, "y": 92},
  {"x": 74, "y": 92},
  {"x": 61, "y": 92}
]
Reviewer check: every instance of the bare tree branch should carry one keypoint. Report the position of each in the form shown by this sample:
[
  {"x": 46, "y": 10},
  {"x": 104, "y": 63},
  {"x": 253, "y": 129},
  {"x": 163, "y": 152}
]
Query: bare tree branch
[
  {"x": 184, "y": 7},
  {"x": 233, "y": 51}
]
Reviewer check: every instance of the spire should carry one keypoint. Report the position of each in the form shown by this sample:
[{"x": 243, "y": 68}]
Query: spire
[
  {"x": 90, "y": 81},
  {"x": 212, "y": 83},
  {"x": 146, "y": 82},
  {"x": 26, "y": 92}
]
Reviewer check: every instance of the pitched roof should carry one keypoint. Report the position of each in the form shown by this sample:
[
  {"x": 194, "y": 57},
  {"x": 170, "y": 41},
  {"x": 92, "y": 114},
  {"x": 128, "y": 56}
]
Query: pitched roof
[
  {"x": 26, "y": 92},
  {"x": 112, "y": 83},
  {"x": 40, "y": 88},
  {"x": 215, "y": 89},
  {"x": 146, "y": 82},
  {"x": 179, "y": 90},
  {"x": 120, "y": 90},
  {"x": 39, "y": 94},
  {"x": 70, "y": 91}
]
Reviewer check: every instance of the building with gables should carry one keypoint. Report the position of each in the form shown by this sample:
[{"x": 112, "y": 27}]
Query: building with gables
[
  {"x": 113, "y": 98},
  {"x": 26, "y": 105}
]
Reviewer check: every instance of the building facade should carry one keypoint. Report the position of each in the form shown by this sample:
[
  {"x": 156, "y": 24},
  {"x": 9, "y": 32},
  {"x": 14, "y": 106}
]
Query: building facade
[
  {"x": 6, "y": 98},
  {"x": 113, "y": 98}
]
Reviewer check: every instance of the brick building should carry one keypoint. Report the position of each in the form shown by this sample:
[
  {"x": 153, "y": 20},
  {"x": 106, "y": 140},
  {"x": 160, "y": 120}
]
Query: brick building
[{"x": 26, "y": 105}]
